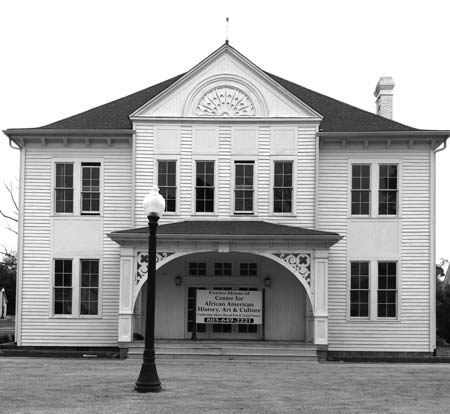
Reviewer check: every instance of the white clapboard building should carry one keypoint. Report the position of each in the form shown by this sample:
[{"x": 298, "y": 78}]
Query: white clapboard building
[{"x": 318, "y": 215}]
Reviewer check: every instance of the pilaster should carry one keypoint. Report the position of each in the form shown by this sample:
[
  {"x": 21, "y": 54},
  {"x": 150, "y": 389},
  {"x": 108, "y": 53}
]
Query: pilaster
[
  {"x": 126, "y": 294},
  {"x": 320, "y": 297}
]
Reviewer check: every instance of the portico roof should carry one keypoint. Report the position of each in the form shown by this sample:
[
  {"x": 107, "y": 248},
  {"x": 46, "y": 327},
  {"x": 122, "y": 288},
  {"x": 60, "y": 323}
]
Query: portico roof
[{"x": 231, "y": 230}]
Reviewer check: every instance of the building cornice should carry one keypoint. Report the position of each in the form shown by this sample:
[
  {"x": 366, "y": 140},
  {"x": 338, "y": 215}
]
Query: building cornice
[
  {"x": 392, "y": 134},
  {"x": 225, "y": 120},
  {"x": 67, "y": 137}
]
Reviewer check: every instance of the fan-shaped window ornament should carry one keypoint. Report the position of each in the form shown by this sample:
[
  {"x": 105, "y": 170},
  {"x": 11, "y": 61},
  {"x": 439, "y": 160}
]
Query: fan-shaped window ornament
[{"x": 225, "y": 101}]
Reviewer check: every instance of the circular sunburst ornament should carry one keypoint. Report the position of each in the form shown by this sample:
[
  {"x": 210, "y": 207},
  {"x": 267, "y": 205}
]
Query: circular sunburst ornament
[{"x": 225, "y": 101}]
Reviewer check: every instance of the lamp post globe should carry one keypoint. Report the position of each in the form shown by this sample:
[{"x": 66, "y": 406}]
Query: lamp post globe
[
  {"x": 148, "y": 380},
  {"x": 154, "y": 203}
]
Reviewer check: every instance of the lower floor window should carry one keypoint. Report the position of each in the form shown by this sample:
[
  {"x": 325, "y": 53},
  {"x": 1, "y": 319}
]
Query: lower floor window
[
  {"x": 359, "y": 289},
  {"x": 63, "y": 287},
  {"x": 380, "y": 290},
  {"x": 89, "y": 287},
  {"x": 76, "y": 287},
  {"x": 387, "y": 289}
]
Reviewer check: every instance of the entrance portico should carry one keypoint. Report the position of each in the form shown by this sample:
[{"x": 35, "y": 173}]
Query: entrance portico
[{"x": 294, "y": 259}]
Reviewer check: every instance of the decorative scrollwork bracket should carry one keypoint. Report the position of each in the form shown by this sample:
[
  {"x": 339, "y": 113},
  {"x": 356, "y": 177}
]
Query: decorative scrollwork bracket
[
  {"x": 300, "y": 263},
  {"x": 142, "y": 263}
]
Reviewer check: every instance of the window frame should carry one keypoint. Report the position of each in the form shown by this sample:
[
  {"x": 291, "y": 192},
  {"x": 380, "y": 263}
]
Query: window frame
[
  {"x": 244, "y": 161},
  {"x": 177, "y": 181},
  {"x": 295, "y": 172},
  {"x": 76, "y": 289},
  {"x": 274, "y": 187},
  {"x": 195, "y": 160},
  {"x": 374, "y": 190},
  {"x": 87, "y": 165},
  {"x": 197, "y": 263},
  {"x": 77, "y": 186},
  {"x": 54, "y": 287},
  {"x": 397, "y": 190},
  {"x": 369, "y": 294},
  {"x": 55, "y": 188},
  {"x": 221, "y": 269},
  {"x": 87, "y": 315},
  {"x": 367, "y": 190},
  {"x": 373, "y": 290},
  {"x": 387, "y": 290}
]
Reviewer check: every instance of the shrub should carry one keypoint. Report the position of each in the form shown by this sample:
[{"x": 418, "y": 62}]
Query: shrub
[{"x": 443, "y": 311}]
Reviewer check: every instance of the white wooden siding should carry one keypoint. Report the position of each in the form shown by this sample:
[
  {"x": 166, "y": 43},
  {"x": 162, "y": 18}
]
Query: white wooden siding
[
  {"x": 411, "y": 331},
  {"x": 38, "y": 327},
  {"x": 144, "y": 169},
  {"x": 304, "y": 157}
]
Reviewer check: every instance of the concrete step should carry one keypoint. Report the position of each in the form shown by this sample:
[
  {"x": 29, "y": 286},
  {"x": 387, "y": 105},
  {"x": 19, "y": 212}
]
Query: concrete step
[{"x": 227, "y": 350}]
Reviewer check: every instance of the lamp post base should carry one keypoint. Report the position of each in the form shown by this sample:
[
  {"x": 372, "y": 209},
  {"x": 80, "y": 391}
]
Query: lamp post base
[{"x": 148, "y": 380}]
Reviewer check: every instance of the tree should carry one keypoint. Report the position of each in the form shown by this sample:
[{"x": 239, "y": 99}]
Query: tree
[
  {"x": 442, "y": 302},
  {"x": 8, "y": 263},
  {"x": 8, "y": 269}
]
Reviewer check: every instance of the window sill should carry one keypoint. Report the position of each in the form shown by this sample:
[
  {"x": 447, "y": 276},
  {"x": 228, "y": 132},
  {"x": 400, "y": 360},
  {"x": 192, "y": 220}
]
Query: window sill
[
  {"x": 76, "y": 317},
  {"x": 77, "y": 216},
  {"x": 354, "y": 319},
  {"x": 361, "y": 217},
  {"x": 283, "y": 214}
]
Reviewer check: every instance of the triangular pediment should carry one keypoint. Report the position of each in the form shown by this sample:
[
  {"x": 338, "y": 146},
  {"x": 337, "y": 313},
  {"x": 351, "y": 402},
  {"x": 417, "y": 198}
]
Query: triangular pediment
[{"x": 226, "y": 85}]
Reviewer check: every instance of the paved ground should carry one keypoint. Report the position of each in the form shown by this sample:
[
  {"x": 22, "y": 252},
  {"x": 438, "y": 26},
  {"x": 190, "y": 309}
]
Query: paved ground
[{"x": 38, "y": 385}]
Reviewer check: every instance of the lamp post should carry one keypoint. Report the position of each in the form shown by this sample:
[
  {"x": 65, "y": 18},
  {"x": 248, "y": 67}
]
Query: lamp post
[{"x": 148, "y": 380}]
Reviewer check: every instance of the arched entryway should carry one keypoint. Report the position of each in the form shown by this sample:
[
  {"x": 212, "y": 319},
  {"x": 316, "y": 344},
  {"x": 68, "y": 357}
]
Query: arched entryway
[
  {"x": 292, "y": 257},
  {"x": 283, "y": 299}
]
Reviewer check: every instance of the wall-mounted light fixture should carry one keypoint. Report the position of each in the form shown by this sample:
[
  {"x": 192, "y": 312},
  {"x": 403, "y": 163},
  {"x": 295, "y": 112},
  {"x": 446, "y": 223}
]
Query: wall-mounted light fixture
[
  {"x": 267, "y": 281},
  {"x": 178, "y": 280}
]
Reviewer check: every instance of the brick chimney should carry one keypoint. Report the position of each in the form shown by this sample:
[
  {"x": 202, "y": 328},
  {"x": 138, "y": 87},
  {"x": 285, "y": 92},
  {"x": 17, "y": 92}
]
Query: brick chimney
[{"x": 384, "y": 94}]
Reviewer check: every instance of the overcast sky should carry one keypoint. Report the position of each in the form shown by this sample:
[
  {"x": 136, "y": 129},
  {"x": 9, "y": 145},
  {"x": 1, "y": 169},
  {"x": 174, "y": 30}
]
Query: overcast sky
[{"x": 62, "y": 57}]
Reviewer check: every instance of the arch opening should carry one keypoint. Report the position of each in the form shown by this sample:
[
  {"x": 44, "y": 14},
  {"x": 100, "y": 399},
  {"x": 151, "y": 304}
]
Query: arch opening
[{"x": 286, "y": 303}]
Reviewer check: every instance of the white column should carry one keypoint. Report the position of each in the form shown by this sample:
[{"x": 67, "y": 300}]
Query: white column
[
  {"x": 320, "y": 297},
  {"x": 126, "y": 294}
]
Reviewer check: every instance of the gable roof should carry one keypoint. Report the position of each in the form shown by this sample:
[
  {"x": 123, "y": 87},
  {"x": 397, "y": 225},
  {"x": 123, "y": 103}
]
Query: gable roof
[{"x": 337, "y": 116}]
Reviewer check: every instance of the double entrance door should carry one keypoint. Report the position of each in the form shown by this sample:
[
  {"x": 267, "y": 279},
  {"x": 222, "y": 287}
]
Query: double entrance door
[{"x": 218, "y": 330}]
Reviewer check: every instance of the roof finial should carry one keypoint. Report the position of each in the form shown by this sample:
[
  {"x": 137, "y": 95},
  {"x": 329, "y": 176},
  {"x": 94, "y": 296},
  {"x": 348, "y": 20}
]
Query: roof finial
[{"x": 226, "y": 26}]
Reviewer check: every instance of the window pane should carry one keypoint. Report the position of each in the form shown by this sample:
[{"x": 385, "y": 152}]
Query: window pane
[
  {"x": 89, "y": 287},
  {"x": 205, "y": 186},
  {"x": 282, "y": 191},
  {"x": 359, "y": 289},
  {"x": 167, "y": 183}
]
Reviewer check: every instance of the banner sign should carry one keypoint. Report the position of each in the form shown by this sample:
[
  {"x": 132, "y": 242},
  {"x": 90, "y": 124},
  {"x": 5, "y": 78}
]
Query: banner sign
[{"x": 229, "y": 307}]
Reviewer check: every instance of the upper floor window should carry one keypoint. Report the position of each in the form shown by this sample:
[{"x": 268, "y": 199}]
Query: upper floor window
[
  {"x": 243, "y": 189},
  {"x": 388, "y": 189},
  {"x": 77, "y": 188},
  {"x": 90, "y": 188},
  {"x": 204, "y": 187},
  {"x": 64, "y": 188},
  {"x": 360, "y": 189},
  {"x": 282, "y": 187},
  {"x": 167, "y": 183}
]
